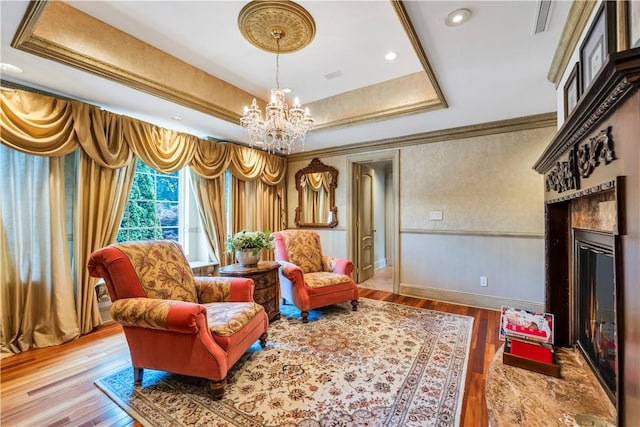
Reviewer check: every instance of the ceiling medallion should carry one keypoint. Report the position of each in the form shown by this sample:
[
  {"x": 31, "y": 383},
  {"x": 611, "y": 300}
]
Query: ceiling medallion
[
  {"x": 259, "y": 19},
  {"x": 282, "y": 129}
]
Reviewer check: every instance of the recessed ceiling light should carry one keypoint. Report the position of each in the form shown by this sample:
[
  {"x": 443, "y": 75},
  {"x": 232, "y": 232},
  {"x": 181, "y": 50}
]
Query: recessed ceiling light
[
  {"x": 390, "y": 56},
  {"x": 286, "y": 90},
  {"x": 10, "y": 68},
  {"x": 176, "y": 118},
  {"x": 458, "y": 17}
]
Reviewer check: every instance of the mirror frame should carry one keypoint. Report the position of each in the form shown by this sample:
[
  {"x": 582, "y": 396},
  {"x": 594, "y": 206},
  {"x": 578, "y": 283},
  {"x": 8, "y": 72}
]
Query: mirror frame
[{"x": 317, "y": 166}]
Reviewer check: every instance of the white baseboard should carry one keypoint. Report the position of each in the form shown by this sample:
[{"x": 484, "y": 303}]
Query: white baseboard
[
  {"x": 381, "y": 263},
  {"x": 490, "y": 302}
]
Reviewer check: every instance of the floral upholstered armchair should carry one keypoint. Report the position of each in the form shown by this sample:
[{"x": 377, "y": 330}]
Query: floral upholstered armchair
[
  {"x": 309, "y": 279},
  {"x": 172, "y": 321}
]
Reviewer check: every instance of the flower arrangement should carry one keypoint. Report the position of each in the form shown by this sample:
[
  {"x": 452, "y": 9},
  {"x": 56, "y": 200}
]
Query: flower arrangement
[{"x": 254, "y": 240}]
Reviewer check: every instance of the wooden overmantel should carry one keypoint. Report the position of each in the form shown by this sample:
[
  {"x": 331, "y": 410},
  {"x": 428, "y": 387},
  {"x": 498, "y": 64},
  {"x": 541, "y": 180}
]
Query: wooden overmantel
[{"x": 617, "y": 80}]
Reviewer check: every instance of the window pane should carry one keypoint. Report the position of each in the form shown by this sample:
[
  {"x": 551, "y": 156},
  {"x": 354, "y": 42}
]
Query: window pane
[
  {"x": 143, "y": 168},
  {"x": 167, "y": 188},
  {"x": 168, "y": 213},
  {"x": 144, "y": 234},
  {"x": 142, "y": 188},
  {"x": 123, "y": 235},
  {"x": 125, "y": 218},
  {"x": 152, "y": 211},
  {"x": 170, "y": 233},
  {"x": 143, "y": 214}
]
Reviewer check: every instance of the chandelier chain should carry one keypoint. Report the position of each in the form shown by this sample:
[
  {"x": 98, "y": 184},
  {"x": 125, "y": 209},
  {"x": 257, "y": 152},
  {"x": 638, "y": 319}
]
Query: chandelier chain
[
  {"x": 283, "y": 129},
  {"x": 278, "y": 62}
]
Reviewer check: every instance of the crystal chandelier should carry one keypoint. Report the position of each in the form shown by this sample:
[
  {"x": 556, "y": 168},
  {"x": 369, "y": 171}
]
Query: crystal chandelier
[{"x": 283, "y": 129}]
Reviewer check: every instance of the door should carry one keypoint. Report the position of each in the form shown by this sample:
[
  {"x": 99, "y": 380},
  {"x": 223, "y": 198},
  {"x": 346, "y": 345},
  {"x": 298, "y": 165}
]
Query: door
[{"x": 364, "y": 225}]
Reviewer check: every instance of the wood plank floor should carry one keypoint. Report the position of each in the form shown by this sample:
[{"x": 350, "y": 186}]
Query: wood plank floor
[{"x": 54, "y": 386}]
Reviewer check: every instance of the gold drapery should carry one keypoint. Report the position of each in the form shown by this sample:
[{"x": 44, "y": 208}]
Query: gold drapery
[
  {"x": 258, "y": 206},
  {"x": 37, "y": 124},
  {"x": 45, "y": 126},
  {"x": 211, "y": 196},
  {"x": 36, "y": 293},
  {"x": 105, "y": 174},
  {"x": 160, "y": 149},
  {"x": 98, "y": 213},
  {"x": 248, "y": 164}
]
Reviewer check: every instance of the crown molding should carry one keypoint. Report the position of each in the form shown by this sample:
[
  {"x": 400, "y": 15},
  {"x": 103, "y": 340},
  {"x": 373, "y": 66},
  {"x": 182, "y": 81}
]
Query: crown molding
[
  {"x": 398, "y": 6},
  {"x": 57, "y": 31},
  {"x": 402, "y": 96},
  {"x": 576, "y": 23},
  {"x": 490, "y": 128}
]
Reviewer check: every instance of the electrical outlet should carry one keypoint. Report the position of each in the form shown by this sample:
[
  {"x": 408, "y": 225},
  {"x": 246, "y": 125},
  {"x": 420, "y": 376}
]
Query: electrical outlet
[{"x": 483, "y": 281}]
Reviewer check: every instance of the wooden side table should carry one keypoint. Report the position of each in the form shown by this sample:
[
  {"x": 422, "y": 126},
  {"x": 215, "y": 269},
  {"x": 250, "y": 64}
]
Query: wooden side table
[{"x": 267, "y": 284}]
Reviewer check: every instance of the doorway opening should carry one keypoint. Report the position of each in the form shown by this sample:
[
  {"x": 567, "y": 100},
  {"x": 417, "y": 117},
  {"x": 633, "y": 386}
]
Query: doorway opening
[{"x": 372, "y": 226}]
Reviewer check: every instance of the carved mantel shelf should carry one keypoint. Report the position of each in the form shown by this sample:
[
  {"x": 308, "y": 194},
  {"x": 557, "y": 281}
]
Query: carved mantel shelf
[{"x": 619, "y": 77}]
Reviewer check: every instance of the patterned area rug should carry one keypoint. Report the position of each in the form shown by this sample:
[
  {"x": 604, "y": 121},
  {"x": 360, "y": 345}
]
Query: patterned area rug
[{"x": 384, "y": 365}]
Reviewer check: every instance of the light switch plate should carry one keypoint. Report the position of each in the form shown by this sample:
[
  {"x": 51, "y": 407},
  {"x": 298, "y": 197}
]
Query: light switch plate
[{"x": 435, "y": 215}]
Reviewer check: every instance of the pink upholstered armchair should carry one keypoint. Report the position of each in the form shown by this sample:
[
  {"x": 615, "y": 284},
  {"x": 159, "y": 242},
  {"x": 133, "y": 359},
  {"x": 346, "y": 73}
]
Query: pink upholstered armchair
[
  {"x": 172, "y": 321},
  {"x": 309, "y": 279}
]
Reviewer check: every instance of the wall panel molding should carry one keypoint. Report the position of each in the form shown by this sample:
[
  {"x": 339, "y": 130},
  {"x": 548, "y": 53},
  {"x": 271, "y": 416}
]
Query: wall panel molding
[
  {"x": 490, "y": 302},
  {"x": 473, "y": 233}
]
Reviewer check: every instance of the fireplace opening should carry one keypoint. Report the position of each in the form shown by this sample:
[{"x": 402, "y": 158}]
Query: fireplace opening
[{"x": 596, "y": 305}]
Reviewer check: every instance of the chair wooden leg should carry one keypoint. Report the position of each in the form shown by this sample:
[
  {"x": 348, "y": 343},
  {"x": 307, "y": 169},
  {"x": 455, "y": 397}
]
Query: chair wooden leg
[
  {"x": 263, "y": 340},
  {"x": 305, "y": 316},
  {"x": 217, "y": 388},
  {"x": 354, "y": 305},
  {"x": 137, "y": 375}
]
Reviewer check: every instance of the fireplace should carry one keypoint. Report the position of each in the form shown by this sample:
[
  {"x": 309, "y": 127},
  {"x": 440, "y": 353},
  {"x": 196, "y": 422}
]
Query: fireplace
[
  {"x": 591, "y": 172},
  {"x": 596, "y": 326}
]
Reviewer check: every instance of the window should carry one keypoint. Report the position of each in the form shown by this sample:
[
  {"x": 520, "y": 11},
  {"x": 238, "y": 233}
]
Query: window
[{"x": 153, "y": 209}]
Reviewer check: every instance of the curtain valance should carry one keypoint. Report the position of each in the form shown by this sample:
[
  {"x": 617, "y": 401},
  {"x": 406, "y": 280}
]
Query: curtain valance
[
  {"x": 248, "y": 164},
  {"x": 36, "y": 124},
  {"x": 47, "y": 126}
]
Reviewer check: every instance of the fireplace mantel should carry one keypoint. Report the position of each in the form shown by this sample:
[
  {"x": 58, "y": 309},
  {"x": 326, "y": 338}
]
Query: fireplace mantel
[{"x": 617, "y": 80}]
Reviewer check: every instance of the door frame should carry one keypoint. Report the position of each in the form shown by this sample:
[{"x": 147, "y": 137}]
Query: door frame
[{"x": 351, "y": 214}]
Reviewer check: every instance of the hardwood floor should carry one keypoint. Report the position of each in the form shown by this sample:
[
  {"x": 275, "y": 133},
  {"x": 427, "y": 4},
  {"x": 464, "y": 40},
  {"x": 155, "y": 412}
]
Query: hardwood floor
[
  {"x": 382, "y": 280},
  {"x": 53, "y": 386}
]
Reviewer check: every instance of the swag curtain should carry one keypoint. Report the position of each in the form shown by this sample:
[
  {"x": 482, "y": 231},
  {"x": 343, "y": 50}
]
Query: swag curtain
[
  {"x": 45, "y": 126},
  {"x": 103, "y": 181}
]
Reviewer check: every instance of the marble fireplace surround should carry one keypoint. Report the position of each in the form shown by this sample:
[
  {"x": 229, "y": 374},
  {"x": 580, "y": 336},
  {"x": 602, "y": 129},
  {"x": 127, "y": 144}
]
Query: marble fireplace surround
[{"x": 591, "y": 183}]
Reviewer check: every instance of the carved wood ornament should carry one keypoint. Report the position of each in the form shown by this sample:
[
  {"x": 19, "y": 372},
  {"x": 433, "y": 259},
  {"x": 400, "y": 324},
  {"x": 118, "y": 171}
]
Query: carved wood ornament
[
  {"x": 563, "y": 176},
  {"x": 598, "y": 148},
  {"x": 581, "y": 163}
]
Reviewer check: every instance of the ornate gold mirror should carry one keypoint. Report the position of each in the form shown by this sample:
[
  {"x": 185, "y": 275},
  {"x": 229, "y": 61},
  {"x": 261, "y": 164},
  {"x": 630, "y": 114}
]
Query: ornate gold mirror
[{"x": 316, "y": 185}]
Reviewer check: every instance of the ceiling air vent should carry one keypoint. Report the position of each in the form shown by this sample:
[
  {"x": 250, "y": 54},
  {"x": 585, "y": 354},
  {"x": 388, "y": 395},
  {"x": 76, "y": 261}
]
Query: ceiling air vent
[
  {"x": 333, "y": 75},
  {"x": 542, "y": 16}
]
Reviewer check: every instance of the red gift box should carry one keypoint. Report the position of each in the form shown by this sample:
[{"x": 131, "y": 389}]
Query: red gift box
[{"x": 532, "y": 351}]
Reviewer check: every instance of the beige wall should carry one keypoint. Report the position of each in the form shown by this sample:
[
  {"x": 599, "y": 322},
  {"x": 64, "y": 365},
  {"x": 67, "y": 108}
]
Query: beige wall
[
  {"x": 482, "y": 184},
  {"x": 492, "y": 204}
]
